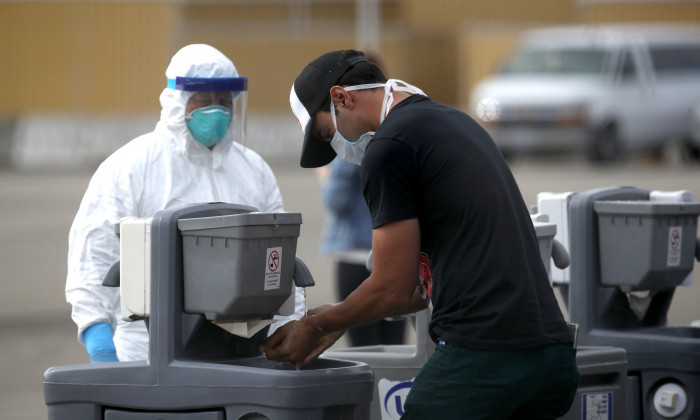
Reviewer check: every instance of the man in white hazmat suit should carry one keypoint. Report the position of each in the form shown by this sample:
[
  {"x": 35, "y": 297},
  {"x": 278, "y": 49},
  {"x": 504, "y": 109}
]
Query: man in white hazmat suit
[{"x": 190, "y": 157}]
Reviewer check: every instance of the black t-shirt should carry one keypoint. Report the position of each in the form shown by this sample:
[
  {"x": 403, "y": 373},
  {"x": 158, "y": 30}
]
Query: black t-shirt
[{"x": 490, "y": 288}]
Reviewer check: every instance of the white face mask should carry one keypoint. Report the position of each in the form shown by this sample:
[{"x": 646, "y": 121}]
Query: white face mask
[{"x": 354, "y": 151}]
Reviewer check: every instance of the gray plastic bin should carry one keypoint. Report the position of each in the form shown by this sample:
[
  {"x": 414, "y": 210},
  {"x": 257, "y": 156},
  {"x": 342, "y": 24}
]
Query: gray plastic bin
[
  {"x": 615, "y": 228},
  {"x": 646, "y": 245},
  {"x": 196, "y": 370},
  {"x": 258, "y": 248}
]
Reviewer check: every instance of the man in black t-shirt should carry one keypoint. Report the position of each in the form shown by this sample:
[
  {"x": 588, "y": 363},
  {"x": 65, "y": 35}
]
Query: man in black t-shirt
[{"x": 439, "y": 192}]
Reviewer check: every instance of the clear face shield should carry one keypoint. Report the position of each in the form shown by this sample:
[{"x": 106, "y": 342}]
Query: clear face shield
[{"x": 217, "y": 108}]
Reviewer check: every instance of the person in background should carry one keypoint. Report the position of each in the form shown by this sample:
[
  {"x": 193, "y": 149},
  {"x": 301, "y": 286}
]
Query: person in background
[
  {"x": 347, "y": 237},
  {"x": 445, "y": 208},
  {"x": 190, "y": 157}
]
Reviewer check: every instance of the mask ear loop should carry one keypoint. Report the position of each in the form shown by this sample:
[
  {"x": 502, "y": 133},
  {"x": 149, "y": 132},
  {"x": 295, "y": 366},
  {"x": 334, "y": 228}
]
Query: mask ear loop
[
  {"x": 407, "y": 88},
  {"x": 388, "y": 100},
  {"x": 389, "y": 97},
  {"x": 362, "y": 87},
  {"x": 333, "y": 115},
  {"x": 365, "y": 86},
  {"x": 349, "y": 88}
]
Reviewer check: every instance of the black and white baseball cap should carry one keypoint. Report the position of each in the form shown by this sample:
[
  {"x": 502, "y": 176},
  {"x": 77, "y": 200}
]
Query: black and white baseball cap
[{"x": 309, "y": 91}]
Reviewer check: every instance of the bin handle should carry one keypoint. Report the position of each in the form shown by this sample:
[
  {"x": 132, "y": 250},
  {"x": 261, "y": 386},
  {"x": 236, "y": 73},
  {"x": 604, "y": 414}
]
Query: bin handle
[
  {"x": 112, "y": 277},
  {"x": 560, "y": 256},
  {"x": 697, "y": 249},
  {"x": 302, "y": 274}
]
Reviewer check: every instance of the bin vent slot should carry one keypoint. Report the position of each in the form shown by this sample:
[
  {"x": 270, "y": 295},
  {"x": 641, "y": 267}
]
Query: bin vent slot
[
  {"x": 122, "y": 414},
  {"x": 336, "y": 412},
  {"x": 598, "y": 380}
]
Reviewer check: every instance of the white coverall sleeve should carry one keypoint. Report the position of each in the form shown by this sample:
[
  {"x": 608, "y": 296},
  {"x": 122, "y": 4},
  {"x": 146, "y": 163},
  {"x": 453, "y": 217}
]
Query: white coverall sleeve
[
  {"x": 272, "y": 191},
  {"x": 93, "y": 245}
]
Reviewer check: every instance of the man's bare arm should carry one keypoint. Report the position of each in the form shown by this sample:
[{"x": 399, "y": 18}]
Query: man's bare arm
[{"x": 390, "y": 289}]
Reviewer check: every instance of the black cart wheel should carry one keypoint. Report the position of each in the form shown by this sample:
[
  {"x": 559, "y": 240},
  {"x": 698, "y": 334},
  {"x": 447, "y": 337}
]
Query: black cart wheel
[
  {"x": 692, "y": 151},
  {"x": 605, "y": 145}
]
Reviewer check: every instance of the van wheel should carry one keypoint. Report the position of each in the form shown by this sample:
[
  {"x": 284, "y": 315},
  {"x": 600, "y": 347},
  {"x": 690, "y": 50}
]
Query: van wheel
[
  {"x": 605, "y": 146},
  {"x": 692, "y": 151}
]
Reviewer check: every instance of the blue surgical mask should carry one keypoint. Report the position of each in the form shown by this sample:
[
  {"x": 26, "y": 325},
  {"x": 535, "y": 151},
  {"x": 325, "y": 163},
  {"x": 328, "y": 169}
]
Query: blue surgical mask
[
  {"x": 349, "y": 151},
  {"x": 209, "y": 124}
]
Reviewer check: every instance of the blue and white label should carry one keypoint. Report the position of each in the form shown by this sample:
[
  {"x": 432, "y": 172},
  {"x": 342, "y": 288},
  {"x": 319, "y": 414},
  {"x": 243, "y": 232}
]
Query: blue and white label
[
  {"x": 596, "y": 406},
  {"x": 392, "y": 396}
]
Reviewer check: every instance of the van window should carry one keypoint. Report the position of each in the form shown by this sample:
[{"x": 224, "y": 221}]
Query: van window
[
  {"x": 557, "y": 61},
  {"x": 682, "y": 58},
  {"x": 627, "y": 67}
]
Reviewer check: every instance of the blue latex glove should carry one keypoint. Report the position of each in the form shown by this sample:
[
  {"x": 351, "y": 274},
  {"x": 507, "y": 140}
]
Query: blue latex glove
[{"x": 100, "y": 344}]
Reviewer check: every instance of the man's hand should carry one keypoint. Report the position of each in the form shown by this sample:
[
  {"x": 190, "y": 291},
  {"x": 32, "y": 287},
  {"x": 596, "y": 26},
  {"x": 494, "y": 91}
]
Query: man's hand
[
  {"x": 327, "y": 339},
  {"x": 299, "y": 342},
  {"x": 294, "y": 342},
  {"x": 390, "y": 290}
]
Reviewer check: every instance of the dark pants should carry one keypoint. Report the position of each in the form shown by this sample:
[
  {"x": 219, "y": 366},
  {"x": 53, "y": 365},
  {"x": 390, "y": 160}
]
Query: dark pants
[
  {"x": 458, "y": 383},
  {"x": 349, "y": 277}
]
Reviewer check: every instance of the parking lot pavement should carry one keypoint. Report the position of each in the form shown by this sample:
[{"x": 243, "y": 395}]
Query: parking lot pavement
[{"x": 37, "y": 209}]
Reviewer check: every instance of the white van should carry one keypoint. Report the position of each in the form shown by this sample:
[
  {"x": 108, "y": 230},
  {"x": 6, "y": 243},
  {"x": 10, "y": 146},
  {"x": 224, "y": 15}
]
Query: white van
[{"x": 602, "y": 89}]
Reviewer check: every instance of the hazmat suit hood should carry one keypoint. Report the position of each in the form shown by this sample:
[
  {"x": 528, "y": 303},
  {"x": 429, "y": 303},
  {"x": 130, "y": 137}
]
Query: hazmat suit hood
[{"x": 196, "y": 60}]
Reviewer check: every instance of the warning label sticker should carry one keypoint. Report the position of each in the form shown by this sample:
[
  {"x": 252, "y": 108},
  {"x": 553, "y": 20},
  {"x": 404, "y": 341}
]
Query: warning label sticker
[
  {"x": 273, "y": 268},
  {"x": 597, "y": 406},
  {"x": 673, "y": 258}
]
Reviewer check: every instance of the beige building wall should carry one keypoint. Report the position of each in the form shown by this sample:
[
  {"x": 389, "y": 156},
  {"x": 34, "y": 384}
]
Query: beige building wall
[
  {"x": 84, "y": 57},
  {"x": 270, "y": 42},
  {"x": 641, "y": 11},
  {"x": 449, "y": 15},
  {"x": 110, "y": 56}
]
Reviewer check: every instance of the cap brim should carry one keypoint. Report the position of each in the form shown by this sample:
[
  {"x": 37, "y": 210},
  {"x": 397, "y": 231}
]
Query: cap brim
[
  {"x": 309, "y": 91},
  {"x": 315, "y": 152}
]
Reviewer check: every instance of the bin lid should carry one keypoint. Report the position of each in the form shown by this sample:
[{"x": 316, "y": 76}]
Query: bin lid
[
  {"x": 244, "y": 219},
  {"x": 648, "y": 208}
]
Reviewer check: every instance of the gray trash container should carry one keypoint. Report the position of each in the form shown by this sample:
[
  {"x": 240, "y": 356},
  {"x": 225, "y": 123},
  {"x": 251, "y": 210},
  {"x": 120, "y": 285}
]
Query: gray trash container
[
  {"x": 196, "y": 370},
  {"x": 646, "y": 245},
  {"x": 621, "y": 245},
  {"x": 257, "y": 248}
]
